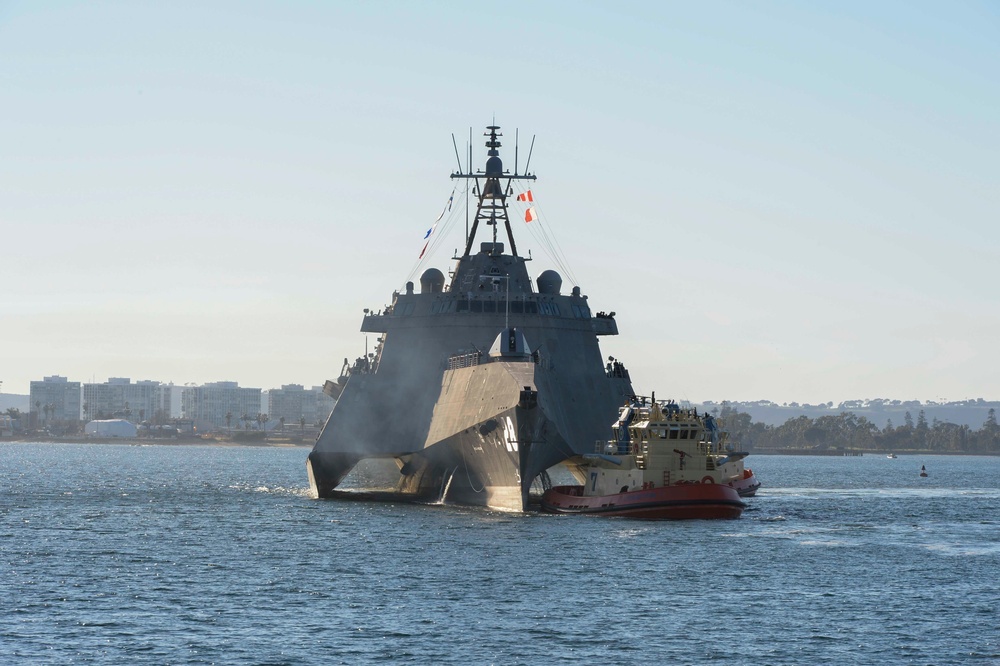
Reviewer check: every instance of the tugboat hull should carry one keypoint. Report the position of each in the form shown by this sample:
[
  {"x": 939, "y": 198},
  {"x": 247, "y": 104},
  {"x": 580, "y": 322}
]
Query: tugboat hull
[{"x": 693, "y": 501}]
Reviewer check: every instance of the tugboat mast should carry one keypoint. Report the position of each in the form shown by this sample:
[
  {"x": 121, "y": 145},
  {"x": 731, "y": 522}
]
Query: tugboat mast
[{"x": 492, "y": 205}]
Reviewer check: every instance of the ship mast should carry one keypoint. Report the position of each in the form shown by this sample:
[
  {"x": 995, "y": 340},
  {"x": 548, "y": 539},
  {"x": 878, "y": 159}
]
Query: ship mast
[{"x": 491, "y": 207}]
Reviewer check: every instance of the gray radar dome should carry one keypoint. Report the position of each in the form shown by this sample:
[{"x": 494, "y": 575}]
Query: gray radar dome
[
  {"x": 494, "y": 166},
  {"x": 549, "y": 282},
  {"x": 432, "y": 281}
]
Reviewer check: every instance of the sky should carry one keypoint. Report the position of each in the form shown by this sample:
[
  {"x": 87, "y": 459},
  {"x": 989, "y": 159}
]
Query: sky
[{"x": 781, "y": 201}]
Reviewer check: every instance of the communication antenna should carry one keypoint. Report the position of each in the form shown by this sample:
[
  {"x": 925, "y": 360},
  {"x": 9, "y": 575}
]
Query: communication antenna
[
  {"x": 529, "y": 153},
  {"x": 457, "y": 158},
  {"x": 515, "y": 150},
  {"x": 468, "y": 190}
]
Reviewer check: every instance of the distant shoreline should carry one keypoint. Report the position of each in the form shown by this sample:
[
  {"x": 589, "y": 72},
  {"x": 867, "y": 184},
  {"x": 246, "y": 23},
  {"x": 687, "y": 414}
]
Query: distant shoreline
[
  {"x": 857, "y": 453},
  {"x": 159, "y": 441},
  {"x": 289, "y": 444}
]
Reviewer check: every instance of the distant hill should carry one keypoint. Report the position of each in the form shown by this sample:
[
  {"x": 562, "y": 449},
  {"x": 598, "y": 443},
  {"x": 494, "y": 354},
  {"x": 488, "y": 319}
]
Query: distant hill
[
  {"x": 972, "y": 413},
  {"x": 8, "y": 400}
]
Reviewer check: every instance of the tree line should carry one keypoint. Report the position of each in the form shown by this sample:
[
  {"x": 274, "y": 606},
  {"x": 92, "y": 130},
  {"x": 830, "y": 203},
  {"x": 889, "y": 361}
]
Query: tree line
[{"x": 849, "y": 431}]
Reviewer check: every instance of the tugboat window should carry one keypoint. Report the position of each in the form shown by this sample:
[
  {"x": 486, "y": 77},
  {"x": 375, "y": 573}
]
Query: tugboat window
[
  {"x": 477, "y": 306},
  {"x": 489, "y": 306}
]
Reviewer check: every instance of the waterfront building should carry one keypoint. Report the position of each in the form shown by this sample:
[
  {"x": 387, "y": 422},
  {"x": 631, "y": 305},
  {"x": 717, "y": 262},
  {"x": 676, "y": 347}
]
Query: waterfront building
[
  {"x": 54, "y": 402},
  {"x": 119, "y": 398},
  {"x": 299, "y": 405},
  {"x": 209, "y": 405}
]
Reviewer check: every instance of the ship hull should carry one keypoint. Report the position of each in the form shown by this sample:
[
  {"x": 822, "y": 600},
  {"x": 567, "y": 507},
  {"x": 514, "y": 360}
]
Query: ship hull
[
  {"x": 494, "y": 428},
  {"x": 410, "y": 410},
  {"x": 679, "y": 502},
  {"x": 746, "y": 486}
]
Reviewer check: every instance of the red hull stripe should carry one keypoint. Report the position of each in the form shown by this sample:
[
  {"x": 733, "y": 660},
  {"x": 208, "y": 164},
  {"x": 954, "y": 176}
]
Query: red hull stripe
[{"x": 715, "y": 502}]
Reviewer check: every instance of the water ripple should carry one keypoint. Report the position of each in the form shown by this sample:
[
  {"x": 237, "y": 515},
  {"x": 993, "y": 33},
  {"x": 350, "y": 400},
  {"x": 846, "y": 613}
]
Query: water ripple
[{"x": 152, "y": 555}]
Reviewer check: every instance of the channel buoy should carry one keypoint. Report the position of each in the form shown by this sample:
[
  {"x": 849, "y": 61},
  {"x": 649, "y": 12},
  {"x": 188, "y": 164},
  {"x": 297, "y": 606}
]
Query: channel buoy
[{"x": 923, "y": 471}]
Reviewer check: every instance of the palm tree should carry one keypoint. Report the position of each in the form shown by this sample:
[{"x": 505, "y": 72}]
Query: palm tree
[{"x": 229, "y": 420}]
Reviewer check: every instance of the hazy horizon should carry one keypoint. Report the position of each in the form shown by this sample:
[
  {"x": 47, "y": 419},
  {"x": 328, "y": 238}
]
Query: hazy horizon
[{"x": 780, "y": 201}]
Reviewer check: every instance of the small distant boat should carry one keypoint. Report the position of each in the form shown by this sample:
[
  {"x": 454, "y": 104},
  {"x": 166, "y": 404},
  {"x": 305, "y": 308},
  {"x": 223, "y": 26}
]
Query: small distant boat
[
  {"x": 664, "y": 464},
  {"x": 891, "y": 455},
  {"x": 923, "y": 471}
]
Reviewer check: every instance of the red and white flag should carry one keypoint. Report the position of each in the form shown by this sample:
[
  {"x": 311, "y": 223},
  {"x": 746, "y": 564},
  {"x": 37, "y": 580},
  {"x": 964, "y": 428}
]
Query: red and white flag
[
  {"x": 529, "y": 214},
  {"x": 525, "y": 196}
]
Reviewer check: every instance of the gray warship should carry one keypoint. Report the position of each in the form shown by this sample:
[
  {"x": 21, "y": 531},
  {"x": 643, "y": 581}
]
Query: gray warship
[{"x": 477, "y": 385}]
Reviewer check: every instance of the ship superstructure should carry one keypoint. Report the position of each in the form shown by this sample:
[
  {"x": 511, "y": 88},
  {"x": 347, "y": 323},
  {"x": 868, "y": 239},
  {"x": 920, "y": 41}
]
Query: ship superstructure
[{"x": 480, "y": 384}]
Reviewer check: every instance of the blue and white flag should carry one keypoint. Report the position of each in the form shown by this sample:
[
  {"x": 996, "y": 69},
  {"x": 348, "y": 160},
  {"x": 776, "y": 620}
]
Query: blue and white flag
[{"x": 434, "y": 226}]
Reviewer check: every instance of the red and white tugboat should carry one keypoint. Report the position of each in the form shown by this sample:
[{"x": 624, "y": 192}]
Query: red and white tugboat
[{"x": 665, "y": 463}]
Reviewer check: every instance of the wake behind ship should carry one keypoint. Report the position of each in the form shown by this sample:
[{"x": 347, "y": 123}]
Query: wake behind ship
[{"x": 477, "y": 386}]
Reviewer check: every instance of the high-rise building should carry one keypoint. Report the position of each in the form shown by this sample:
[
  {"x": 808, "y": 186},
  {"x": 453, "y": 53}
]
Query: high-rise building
[
  {"x": 297, "y": 405},
  {"x": 119, "y": 398},
  {"x": 220, "y": 405},
  {"x": 54, "y": 402}
]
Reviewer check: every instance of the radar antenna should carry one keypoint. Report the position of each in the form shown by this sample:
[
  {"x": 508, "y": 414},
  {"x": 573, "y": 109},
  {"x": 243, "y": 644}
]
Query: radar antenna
[{"x": 491, "y": 207}]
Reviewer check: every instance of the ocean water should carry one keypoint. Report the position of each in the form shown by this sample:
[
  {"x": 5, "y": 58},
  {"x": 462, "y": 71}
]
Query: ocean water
[{"x": 119, "y": 554}]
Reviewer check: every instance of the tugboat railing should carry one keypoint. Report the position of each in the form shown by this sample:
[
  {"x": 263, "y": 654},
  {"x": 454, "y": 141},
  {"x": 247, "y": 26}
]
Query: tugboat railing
[{"x": 617, "y": 447}]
